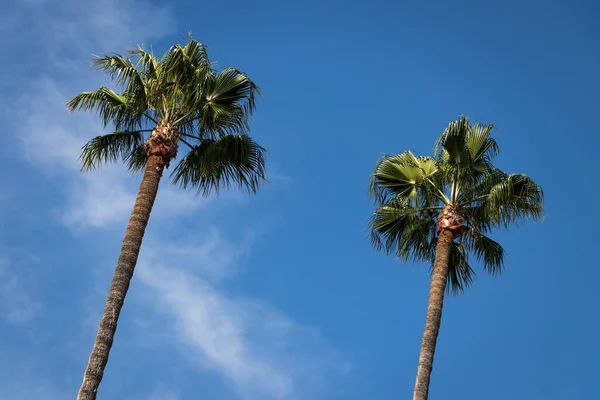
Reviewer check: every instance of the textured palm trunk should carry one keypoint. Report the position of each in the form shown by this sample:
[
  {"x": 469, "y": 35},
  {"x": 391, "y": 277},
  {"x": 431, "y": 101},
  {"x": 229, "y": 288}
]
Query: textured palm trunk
[
  {"x": 434, "y": 313},
  {"x": 123, "y": 274}
]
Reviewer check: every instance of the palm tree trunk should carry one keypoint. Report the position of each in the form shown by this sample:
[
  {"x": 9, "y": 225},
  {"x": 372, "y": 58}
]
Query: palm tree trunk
[
  {"x": 123, "y": 274},
  {"x": 434, "y": 313}
]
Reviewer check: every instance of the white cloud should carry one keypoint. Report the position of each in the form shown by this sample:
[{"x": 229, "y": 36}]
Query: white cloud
[
  {"x": 20, "y": 389},
  {"x": 82, "y": 27},
  {"x": 159, "y": 393},
  {"x": 264, "y": 353},
  {"x": 213, "y": 256},
  {"x": 164, "y": 396},
  {"x": 16, "y": 303},
  {"x": 48, "y": 137},
  {"x": 52, "y": 140}
]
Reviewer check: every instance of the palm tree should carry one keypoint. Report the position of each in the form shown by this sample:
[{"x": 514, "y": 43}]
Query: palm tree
[
  {"x": 440, "y": 208},
  {"x": 177, "y": 100}
]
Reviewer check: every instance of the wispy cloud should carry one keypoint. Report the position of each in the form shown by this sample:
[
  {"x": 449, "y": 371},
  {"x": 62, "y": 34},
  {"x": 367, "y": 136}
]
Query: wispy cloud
[
  {"x": 52, "y": 139},
  {"x": 16, "y": 303},
  {"x": 263, "y": 352},
  {"x": 79, "y": 28},
  {"x": 160, "y": 393},
  {"x": 16, "y": 389},
  {"x": 209, "y": 254},
  {"x": 164, "y": 396}
]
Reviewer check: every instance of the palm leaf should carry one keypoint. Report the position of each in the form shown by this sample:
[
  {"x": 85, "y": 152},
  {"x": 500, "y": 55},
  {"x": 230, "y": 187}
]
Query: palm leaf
[
  {"x": 517, "y": 197},
  {"x": 110, "y": 107},
  {"x": 123, "y": 71},
  {"x": 146, "y": 62},
  {"x": 210, "y": 110},
  {"x": 399, "y": 228},
  {"x": 460, "y": 273},
  {"x": 196, "y": 53},
  {"x": 232, "y": 86},
  {"x": 409, "y": 192},
  {"x": 180, "y": 65},
  {"x": 227, "y": 101},
  {"x": 110, "y": 148},
  {"x": 232, "y": 160},
  {"x": 451, "y": 144},
  {"x": 401, "y": 175},
  {"x": 481, "y": 147},
  {"x": 487, "y": 251},
  {"x": 136, "y": 159}
]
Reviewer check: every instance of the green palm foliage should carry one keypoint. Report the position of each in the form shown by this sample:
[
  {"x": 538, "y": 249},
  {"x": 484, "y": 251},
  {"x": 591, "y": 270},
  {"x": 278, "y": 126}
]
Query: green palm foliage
[
  {"x": 210, "y": 110},
  {"x": 411, "y": 191},
  {"x": 159, "y": 106},
  {"x": 441, "y": 208}
]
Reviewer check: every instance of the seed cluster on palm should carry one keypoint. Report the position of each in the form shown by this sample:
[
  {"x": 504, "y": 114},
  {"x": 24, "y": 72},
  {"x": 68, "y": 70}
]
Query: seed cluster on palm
[
  {"x": 177, "y": 108},
  {"x": 441, "y": 208}
]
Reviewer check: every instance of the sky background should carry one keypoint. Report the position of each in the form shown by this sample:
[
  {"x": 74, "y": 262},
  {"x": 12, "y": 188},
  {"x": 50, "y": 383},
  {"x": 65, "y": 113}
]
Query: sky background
[{"x": 279, "y": 295}]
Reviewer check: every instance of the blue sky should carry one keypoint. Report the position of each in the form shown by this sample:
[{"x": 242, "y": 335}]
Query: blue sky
[{"x": 279, "y": 295}]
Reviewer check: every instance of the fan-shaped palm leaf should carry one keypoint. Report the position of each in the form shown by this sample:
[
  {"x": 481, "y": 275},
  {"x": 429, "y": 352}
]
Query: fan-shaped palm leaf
[
  {"x": 110, "y": 148},
  {"x": 215, "y": 164},
  {"x": 401, "y": 175},
  {"x": 460, "y": 273}
]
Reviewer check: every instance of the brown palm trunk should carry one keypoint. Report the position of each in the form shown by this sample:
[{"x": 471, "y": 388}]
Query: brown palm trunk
[
  {"x": 123, "y": 274},
  {"x": 434, "y": 313}
]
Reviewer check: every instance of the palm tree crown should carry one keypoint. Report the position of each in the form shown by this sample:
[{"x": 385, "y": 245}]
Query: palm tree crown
[
  {"x": 456, "y": 189},
  {"x": 177, "y": 99}
]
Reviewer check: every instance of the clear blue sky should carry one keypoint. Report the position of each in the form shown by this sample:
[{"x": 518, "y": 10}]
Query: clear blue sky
[{"x": 279, "y": 295}]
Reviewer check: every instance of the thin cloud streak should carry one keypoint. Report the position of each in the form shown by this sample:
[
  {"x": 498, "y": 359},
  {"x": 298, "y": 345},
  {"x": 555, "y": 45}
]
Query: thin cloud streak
[
  {"x": 50, "y": 138},
  {"x": 261, "y": 351},
  {"x": 16, "y": 302},
  {"x": 264, "y": 353}
]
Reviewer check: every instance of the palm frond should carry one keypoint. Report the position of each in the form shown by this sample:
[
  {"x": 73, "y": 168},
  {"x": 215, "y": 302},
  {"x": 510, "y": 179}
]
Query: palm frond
[
  {"x": 399, "y": 228},
  {"x": 180, "y": 65},
  {"x": 409, "y": 192},
  {"x": 477, "y": 189},
  {"x": 209, "y": 109},
  {"x": 112, "y": 108},
  {"x": 517, "y": 197},
  {"x": 451, "y": 143},
  {"x": 482, "y": 148},
  {"x": 136, "y": 159},
  {"x": 477, "y": 218},
  {"x": 217, "y": 120},
  {"x": 225, "y": 101},
  {"x": 460, "y": 273},
  {"x": 146, "y": 62},
  {"x": 232, "y": 86},
  {"x": 110, "y": 148},
  {"x": 401, "y": 175},
  {"x": 123, "y": 71},
  {"x": 487, "y": 251},
  {"x": 196, "y": 53},
  {"x": 232, "y": 160}
]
